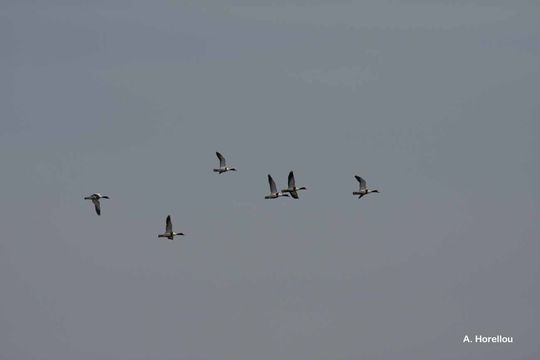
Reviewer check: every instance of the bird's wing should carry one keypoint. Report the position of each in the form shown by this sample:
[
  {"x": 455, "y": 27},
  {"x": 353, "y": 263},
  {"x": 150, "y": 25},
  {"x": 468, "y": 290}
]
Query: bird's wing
[
  {"x": 168, "y": 225},
  {"x": 221, "y": 159},
  {"x": 291, "y": 181},
  {"x": 273, "y": 188},
  {"x": 362, "y": 182},
  {"x": 294, "y": 194},
  {"x": 97, "y": 205}
]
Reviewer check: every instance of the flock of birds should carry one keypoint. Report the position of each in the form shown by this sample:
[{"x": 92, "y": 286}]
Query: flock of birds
[{"x": 291, "y": 190}]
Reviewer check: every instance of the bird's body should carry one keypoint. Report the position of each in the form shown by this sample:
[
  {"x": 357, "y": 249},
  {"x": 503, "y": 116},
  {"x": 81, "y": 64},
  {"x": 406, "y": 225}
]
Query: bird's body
[
  {"x": 169, "y": 233},
  {"x": 95, "y": 199},
  {"x": 363, "y": 190},
  {"x": 274, "y": 194},
  {"x": 222, "y": 165},
  {"x": 293, "y": 189}
]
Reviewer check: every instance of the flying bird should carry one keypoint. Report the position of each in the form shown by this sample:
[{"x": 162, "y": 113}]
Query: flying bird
[
  {"x": 274, "y": 194},
  {"x": 363, "y": 190},
  {"x": 292, "y": 189},
  {"x": 222, "y": 165},
  {"x": 95, "y": 199},
  {"x": 169, "y": 234}
]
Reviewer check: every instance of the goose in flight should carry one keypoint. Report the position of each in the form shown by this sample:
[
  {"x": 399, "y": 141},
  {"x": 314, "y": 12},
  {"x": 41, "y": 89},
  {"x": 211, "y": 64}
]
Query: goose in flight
[
  {"x": 95, "y": 199},
  {"x": 274, "y": 194},
  {"x": 292, "y": 189},
  {"x": 169, "y": 234},
  {"x": 363, "y": 188},
  {"x": 222, "y": 165}
]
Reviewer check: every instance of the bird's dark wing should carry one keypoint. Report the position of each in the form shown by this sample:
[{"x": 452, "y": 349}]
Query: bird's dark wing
[
  {"x": 362, "y": 182},
  {"x": 168, "y": 224},
  {"x": 221, "y": 159},
  {"x": 291, "y": 180},
  {"x": 273, "y": 188},
  {"x": 294, "y": 194},
  {"x": 97, "y": 205}
]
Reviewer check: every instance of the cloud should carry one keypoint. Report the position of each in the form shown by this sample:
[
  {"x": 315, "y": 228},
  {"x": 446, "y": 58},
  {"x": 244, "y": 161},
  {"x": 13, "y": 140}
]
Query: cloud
[
  {"x": 371, "y": 14},
  {"x": 349, "y": 77},
  {"x": 251, "y": 207}
]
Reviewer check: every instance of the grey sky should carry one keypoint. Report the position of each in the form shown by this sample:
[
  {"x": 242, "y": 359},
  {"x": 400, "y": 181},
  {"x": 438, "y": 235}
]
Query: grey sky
[{"x": 435, "y": 103}]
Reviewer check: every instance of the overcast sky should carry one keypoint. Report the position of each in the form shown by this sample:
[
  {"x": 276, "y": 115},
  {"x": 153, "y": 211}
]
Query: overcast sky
[{"x": 434, "y": 103}]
